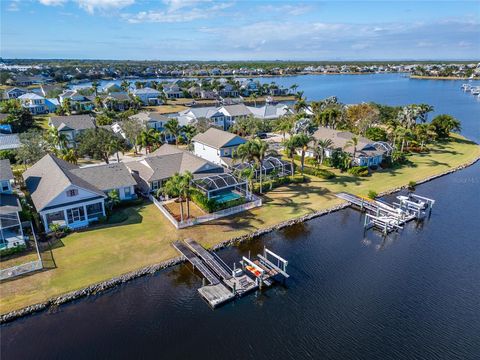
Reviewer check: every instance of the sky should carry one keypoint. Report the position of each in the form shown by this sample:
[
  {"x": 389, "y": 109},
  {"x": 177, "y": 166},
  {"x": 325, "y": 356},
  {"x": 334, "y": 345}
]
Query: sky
[{"x": 240, "y": 30}]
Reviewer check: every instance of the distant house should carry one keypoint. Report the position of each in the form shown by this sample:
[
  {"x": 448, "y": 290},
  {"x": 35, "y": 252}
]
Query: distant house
[
  {"x": 210, "y": 113},
  {"x": 71, "y": 126},
  {"x": 112, "y": 87},
  {"x": 52, "y": 105},
  {"x": 34, "y": 103},
  {"x": 77, "y": 100},
  {"x": 228, "y": 91},
  {"x": 11, "y": 232},
  {"x": 367, "y": 152},
  {"x": 270, "y": 111},
  {"x": 216, "y": 146},
  {"x": 234, "y": 112},
  {"x": 73, "y": 197},
  {"x": 22, "y": 80},
  {"x": 118, "y": 101},
  {"x": 173, "y": 91},
  {"x": 47, "y": 90},
  {"x": 147, "y": 96},
  {"x": 152, "y": 172},
  {"x": 14, "y": 93}
]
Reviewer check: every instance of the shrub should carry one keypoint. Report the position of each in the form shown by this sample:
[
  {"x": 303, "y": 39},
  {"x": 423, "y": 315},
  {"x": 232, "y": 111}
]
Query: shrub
[
  {"x": 321, "y": 173},
  {"x": 359, "y": 171},
  {"x": 272, "y": 184},
  {"x": 311, "y": 161},
  {"x": 376, "y": 134},
  {"x": 11, "y": 251},
  {"x": 372, "y": 194},
  {"x": 206, "y": 204},
  {"x": 411, "y": 185}
]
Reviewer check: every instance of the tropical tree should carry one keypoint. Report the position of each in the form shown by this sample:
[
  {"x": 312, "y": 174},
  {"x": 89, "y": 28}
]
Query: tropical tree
[
  {"x": 66, "y": 106},
  {"x": 285, "y": 124},
  {"x": 254, "y": 96},
  {"x": 32, "y": 148},
  {"x": 290, "y": 147},
  {"x": 424, "y": 134},
  {"x": 117, "y": 145},
  {"x": 113, "y": 199},
  {"x": 173, "y": 128},
  {"x": 132, "y": 130},
  {"x": 253, "y": 151},
  {"x": 293, "y": 88},
  {"x": 174, "y": 187},
  {"x": 320, "y": 146},
  {"x": 55, "y": 140},
  {"x": 95, "y": 86},
  {"x": 125, "y": 85},
  {"x": 301, "y": 142},
  {"x": 300, "y": 105},
  {"x": 248, "y": 174},
  {"x": 402, "y": 134},
  {"x": 186, "y": 189},
  {"x": 96, "y": 143},
  {"x": 69, "y": 155},
  {"x": 353, "y": 142},
  {"x": 189, "y": 131},
  {"x": 444, "y": 124}
]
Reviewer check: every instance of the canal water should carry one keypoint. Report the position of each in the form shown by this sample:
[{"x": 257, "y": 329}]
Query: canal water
[{"x": 351, "y": 295}]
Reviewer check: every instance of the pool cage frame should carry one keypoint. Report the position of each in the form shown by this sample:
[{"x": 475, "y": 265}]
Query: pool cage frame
[
  {"x": 269, "y": 164},
  {"x": 214, "y": 184}
]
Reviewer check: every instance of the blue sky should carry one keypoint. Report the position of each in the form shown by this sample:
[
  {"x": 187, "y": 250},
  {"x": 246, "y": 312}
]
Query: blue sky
[{"x": 240, "y": 30}]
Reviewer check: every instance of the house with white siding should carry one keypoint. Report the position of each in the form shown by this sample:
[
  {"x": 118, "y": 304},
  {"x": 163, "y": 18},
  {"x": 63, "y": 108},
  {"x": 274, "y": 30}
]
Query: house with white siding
[
  {"x": 216, "y": 146},
  {"x": 34, "y": 103},
  {"x": 147, "y": 96}
]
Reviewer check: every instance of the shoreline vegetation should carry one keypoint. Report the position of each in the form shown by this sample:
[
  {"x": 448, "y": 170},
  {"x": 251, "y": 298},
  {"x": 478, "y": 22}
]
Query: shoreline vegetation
[
  {"x": 120, "y": 258},
  {"x": 428, "y": 77}
]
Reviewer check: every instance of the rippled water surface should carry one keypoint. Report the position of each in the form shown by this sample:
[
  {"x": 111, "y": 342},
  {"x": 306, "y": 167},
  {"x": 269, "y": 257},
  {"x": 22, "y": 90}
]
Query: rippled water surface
[{"x": 412, "y": 295}]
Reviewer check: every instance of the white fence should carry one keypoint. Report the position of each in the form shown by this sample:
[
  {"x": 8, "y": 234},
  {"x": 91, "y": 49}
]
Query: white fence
[
  {"x": 256, "y": 202},
  {"x": 21, "y": 269}
]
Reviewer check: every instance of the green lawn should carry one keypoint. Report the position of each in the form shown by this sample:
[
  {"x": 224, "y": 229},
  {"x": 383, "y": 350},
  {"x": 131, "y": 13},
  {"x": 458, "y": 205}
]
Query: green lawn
[{"x": 145, "y": 238}]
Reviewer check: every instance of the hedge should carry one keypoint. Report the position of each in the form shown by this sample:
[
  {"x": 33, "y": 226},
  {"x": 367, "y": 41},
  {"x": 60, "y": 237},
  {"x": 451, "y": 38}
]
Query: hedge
[
  {"x": 211, "y": 205},
  {"x": 359, "y": 171},
  {"x": 11, "y": 251},
  {"x": 272, "y": 184},
  {"x": 321, "y": 173}
]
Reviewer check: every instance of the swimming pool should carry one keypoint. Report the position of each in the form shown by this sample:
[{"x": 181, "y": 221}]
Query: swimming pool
[{"x": 226, "y": 196}]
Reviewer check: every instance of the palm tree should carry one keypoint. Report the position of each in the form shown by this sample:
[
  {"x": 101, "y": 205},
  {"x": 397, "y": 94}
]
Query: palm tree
[
  {"x": 290, "y": 148},
  {"x": 293, "y": 88},
  {"x": 173, "y": 128},
  {"x": 352, "y": 142},
  {"x": 299, "y": 95},
  {"x": 148, "y": 138},
  {"x": 253, "y": 151},
  {"x": 248, "y": 174},
  {"x": 186, "y": 189},
  {"x": 300, "y": 105},
  {"x": 69, "y": 155},
  {"x": 116, "y": 145},
  {"x": 254, "y": 97},
  {"x": 66, "y": 105},
  {"x": 320, "y": 146},
  {"x": 189, "y": 131},
  {"x": 285, "y": 124},
  {"x": 173, "y": 187},
  {"x": 95, "y": 86},
  {"x": 301, "y": 142},
  {"x": 125, "y": 85},
  {"x": 56, "y": 140},
  {"x": 113, "y": 198},
  {"x": 402, "y": 133}
]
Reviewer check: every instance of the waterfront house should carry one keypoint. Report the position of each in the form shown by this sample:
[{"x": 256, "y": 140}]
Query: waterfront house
[
  {"x": 217, "y": 146},
  {"x": 71, "y": 126},
  {"x": 270, "y": 111},
  {"x": 77, "y": 100},
  {"x": 71, "y": 196},
  {"x": 151, "y": 172},
  {"x": 147, "y": 96},
  {"x": 112, "y": 87},
  {"x": 11, "y": 232},
  {"x": 367, "y": 152},
  {"x": 234, "y": 112},
  {"x": 228, "y": 90},
  {"x": 172, "y": 91},
  {"x": 34, "y": 103}
]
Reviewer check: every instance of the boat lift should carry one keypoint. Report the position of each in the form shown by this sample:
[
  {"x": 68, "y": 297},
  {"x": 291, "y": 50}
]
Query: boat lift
[{"x": 416, "y": 204}]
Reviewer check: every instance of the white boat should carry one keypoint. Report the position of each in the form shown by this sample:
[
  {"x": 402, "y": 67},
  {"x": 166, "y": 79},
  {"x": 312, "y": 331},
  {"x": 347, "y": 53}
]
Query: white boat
[
  {"x": 475, "y": 90},
  {"x": 466, "y": 87}
]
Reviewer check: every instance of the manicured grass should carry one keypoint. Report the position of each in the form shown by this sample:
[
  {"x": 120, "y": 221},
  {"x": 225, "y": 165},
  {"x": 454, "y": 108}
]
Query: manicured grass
[
  {"x": 145, "y": 238},
  {"x": 167, "y": 109}
]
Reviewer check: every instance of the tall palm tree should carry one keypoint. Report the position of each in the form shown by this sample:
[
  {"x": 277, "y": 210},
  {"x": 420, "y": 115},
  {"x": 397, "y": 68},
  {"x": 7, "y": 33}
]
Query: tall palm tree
[
  {"x": 189, "y": 131},
  {"x": 402, "y": 133},
  {"x": 69, "y": 155},
  {"x": 253, "y": 151},
  {"x": 285, "y": 124},
  {"x": 320, "y": 146},
  {"x": 66, "y": 106},
  {"x": 95, "y": 86},
  {"x": 186, "y": 189},
  {"x": 290, "y": 147},
  {"x": 352, "y": 142},
  {"x": 300, "y": 105},
  {"x": 173, "y": 187},
  {"x": 301, "y": 142},
  {"x": 125, "y": 85},
  {"x": 173, "y": 128},
  {"x": 116, "y": 146}
]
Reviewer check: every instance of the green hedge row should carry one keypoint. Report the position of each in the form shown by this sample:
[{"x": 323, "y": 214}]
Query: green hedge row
[
  {"x": 321, "y": 173},
  {"x": 359, "y": 171},
  {"x": 272, "y": 184},
  {"x": 211, "y": 205},
  {"x": 14, "y": 250}
]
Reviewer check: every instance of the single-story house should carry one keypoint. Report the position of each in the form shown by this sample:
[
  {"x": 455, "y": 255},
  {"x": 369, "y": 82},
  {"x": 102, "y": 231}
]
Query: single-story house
[
  {"x": 147, "y": 96},
  {"x": 367, "y": 152},
  {"x": 72, "y": 126},
  {"x": 11, "y": 232},
  {"x": 159, "y": 166},
  {"x": 73, "y": 197},
  {"x": 217, "y": 146}
]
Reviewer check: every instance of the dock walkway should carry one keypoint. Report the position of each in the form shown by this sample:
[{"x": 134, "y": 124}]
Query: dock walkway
[
  {"x": 209, "y": 259},
  {"x": 196, "y": 262}
]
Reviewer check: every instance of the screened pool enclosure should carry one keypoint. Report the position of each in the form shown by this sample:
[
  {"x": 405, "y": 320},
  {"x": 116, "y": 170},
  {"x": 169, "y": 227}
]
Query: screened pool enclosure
[
  {"x": 222, "y": 187},
  {"x": 270, "y": 165}
]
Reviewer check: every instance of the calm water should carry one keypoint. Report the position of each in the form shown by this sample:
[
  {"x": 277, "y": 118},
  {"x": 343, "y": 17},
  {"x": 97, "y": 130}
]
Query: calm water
[{"x": 412, "y": 295}]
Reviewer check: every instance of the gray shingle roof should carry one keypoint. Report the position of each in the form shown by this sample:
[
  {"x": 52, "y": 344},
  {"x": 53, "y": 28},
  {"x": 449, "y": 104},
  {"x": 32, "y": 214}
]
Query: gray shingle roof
[
  {"x": 106, "y": 177},
  {"x": 49, "y": 177},
  {"x": 5, "y": 170},
  {"x": 9, "y": 141},
  {"x": 217, "y": 139},
  {"x": 74, "y": 122},
  {"x": 237, "y": 110},
  {"x": 340, "y": 138}
]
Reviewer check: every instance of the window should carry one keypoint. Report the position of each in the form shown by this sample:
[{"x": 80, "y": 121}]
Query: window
[
  {"x": 127, "y": 191},
  {"x": 155, "y": 185},
  {"x": 75, "y": 214},
  {"x": 5, "y": 185},
  {"x": 94, "y": 210},
  {"x": 72, "y": 192}
]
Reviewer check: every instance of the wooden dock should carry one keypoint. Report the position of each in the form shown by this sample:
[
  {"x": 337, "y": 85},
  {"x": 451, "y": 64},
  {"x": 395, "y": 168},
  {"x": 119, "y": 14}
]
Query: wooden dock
[{"x": 209, "y": 259}]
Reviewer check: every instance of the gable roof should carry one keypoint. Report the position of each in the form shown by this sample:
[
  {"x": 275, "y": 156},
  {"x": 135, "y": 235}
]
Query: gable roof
[
  {"x": 49, "y": 177},
  {"x": 9, "y": 141},
  {"x": 236, "y": 110},
  {"x": 31, "y": 96},
  {"x": 106, "y": 177},
  {"x": 217, "y": 138},
  {"x": 74, "y": 122},
  {"x": 5, "y": 170},
  {"x": 145, "y": 90},
  {"x": 341, "y": 138},
  {"x": 146, "y": 117}
]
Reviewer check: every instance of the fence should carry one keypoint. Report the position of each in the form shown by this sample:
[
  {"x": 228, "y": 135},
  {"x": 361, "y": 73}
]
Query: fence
[
  {"x": 256, "y": 202},
  {"x": 26, "y": 267}
]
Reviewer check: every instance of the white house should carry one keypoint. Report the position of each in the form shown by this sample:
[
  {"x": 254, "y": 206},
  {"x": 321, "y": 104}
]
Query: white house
[
  {"x": 147, "y": 96},
  {"x": 210, "y": 113},
  {"x": 234, "y": 112},
  {"x": 73, "y": 197},
  {"x": 173, "y": 91},
  {"x": 216, "y": 146},
  {"x": 270, "y": 111},
  {"x": 34, "y": 103}
]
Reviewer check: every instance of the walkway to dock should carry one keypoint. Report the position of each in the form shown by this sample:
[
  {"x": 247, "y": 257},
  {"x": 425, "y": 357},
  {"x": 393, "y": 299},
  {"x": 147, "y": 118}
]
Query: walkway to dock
[
  {"x": 209, "y": 259},
  {"x": 196, "y": 262}
]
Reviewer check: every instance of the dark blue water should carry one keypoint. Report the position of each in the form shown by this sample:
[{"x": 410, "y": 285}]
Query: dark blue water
[{"x": 412, "y": 295}]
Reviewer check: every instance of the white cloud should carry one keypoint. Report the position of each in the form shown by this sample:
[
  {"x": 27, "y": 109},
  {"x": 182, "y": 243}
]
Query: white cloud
[
  {"x": 293, "y": 10},
  {"x": 92, "y": 5},
  {"x": 176, "y": 12}
]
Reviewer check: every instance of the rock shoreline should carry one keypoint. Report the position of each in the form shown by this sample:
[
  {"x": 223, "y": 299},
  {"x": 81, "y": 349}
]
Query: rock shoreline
[{"x": 148, "y": 270}]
